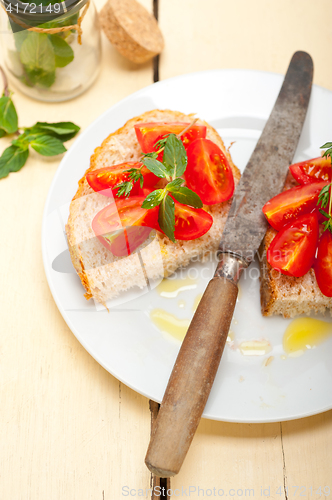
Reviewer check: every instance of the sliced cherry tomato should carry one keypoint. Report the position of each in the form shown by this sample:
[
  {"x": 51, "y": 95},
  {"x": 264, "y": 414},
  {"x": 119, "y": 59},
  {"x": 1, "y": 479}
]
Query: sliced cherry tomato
[
  {"x": 292, "y": 251},
  {"x": 144, "y": 191},
  {"x": 288, "y": 205},
  {"x": 149, "y": 133},
  {"x": 104, "y": 179},
  {"x": 323, "y": 264},
  {"x": 208, "y": 172},
  {"x": 315, "y": 170},
  {"x": 124, "y": 225},
  {"x": 190, "y": 223}
]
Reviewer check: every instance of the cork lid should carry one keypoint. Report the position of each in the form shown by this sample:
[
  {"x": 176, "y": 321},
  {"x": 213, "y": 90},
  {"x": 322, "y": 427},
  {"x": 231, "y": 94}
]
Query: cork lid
[{"x": 131, "y": 29}]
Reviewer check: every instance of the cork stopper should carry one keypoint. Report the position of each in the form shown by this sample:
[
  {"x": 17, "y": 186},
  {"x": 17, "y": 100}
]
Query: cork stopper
[{"x": 131, "y": 29}]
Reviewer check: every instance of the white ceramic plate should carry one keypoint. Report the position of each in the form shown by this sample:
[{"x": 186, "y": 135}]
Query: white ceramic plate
[{"x": 124, "y": 341}]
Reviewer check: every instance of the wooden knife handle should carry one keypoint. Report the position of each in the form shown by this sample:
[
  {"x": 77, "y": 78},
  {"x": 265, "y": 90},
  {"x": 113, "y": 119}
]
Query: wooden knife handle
[{"x": 192, "y": 377}]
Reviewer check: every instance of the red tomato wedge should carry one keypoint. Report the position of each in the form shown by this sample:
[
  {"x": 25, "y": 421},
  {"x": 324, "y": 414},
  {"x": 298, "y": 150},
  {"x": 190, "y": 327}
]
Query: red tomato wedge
[
  {"x": 315, "y": 170},
  {"x": 323, "y": 264},
  {"x": 105, "y": 179},
  {"x": 292, "y": 251},
  {"x": 208, "y": 172},
  {"x": 190, "y": 223},
  {"x": 124, "y": 225},
  {"x": 149, "y": 133},
  {"x": 288, "y": 205}
]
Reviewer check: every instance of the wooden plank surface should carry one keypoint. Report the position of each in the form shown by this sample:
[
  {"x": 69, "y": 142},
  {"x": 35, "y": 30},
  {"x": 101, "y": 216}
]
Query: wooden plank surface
[
  {"x": 260, "y": 34},
  {"x": 69, "y": 430}
]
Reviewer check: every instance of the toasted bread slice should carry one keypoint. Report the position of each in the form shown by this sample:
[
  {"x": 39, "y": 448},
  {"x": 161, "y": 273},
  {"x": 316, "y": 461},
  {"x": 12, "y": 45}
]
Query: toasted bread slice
[
  {"x": 105, "y": 276},
  {"x": 287, "y": 295}
]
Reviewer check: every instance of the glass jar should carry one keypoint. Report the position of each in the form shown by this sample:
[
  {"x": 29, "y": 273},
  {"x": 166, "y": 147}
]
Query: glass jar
[{"x": 52, "y": 50}]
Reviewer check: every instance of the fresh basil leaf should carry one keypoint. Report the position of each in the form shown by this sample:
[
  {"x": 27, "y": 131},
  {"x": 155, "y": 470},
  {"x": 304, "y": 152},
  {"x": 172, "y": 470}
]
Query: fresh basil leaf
[
  {"x": 154, "y": 199},
  {"x": 19, "y": 38},
  {"x": 62, "y": 130},
  {"x": 59, "y": 22},
  {"x": 166, "y": 217},
  {"x": 41, "y": 78},
  {"x": 12, "y": 160},
  {"x": 59, "y": 128},
  {"x": 175, "y": 156},
  {"x": 47, "y": 145},
  {"x": 186, "y": 196},
  {"x": 155, "y": 166},
  {"x": 63, "y": 52},
  {"x": 8, "y": 115},
  {"x": 174, "y": 184},
  {"x": 26, "y": 80},
  {"x": 24, "y": 140},
  {"x": 326, "y": 145},
  {"x": 37, "y": 52},
  {"x": 38, "y": 78},
  {"x": 2, "y": 132},
  {"x": 38, "y": 58}
]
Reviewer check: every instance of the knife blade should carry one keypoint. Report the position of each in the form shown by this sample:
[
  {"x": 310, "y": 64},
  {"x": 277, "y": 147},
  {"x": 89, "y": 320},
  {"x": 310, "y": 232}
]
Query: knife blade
[
  {"x": 196, "y": 365},
  {"x": 266, "y": 171}
]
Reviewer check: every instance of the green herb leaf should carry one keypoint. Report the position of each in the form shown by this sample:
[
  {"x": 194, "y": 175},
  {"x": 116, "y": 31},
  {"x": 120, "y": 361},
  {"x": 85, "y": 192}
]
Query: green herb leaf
[
  {"x": 19, "y": 38},
  {"x": 324, "y": 213},
  {"x": 124, "y": 188},
  {"x": 186, "y": 196},
  {"x": 38, "y": 78},
  {"x": 166, "y": 217},
  {"x": 327, "y": 153},
  {"x": 153, "y": 155},
  {"x": 162, "y": 142},
  {"x": 38, "y": 58},
  {"x": 328, "y": 224},
  {"x": 12, "y": 160},
  {"x": 59, "y": 128},
  {"x": 8, "y": 115},
  {"x": 326, "y": 145},
  {"x": 47, "y": 145},
  {"x": 2, "y": 133},
  {"x": 135, "y": 175},
  {"x": 175, "y": 157},
  {"x": 155, "y": 166},
  {"x": 62, "y": 130},
  {"x": 60, "y": 21},
  {"x": 323, "y": 197},
  {"x": 23, "y": 140},
  {"x": 174, "y": 184},
  {"x": 154, "y": 199},
  {"x": 63, "y": 52}
]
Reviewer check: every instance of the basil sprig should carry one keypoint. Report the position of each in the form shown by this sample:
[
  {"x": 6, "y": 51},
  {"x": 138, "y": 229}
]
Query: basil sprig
[
  {"x": 8, "y": 116},
  {"x": 171, "y": 168},
  {"x": 45, "y": 138},
  {"x": 41, "y": 53},
  {"x": 325, "y": 196}
]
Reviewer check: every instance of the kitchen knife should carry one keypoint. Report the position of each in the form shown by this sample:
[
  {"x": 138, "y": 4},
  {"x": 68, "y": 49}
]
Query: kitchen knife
[{"x": 196, "y": 365}]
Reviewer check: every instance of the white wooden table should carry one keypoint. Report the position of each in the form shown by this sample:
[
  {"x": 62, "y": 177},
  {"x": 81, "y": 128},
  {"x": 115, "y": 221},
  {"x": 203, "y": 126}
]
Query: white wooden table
[{"x": 71, "y": 431}]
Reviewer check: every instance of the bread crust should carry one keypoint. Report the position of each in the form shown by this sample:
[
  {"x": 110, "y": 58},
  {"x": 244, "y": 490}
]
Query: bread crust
[{"x": 112, "y": 151}]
